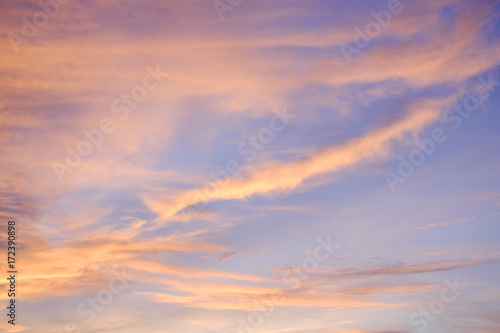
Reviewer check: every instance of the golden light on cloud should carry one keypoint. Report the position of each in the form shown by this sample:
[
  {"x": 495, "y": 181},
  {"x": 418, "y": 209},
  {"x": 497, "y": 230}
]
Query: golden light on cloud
[{"x": 243, "y": 166}]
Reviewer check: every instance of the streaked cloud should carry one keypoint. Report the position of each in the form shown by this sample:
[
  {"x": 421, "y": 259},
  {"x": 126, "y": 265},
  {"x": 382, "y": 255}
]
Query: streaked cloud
[{"x": 122, "y": 209}]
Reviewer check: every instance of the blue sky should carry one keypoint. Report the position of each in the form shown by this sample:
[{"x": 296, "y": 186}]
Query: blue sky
[{"x": 117, "y": 114}]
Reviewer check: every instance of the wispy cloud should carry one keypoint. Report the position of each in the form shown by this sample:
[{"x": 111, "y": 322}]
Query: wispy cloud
[
  {"x": 120, "y": 208},
  {"x": 229, "y": 255},
  {"x": 445, "y": 223}
]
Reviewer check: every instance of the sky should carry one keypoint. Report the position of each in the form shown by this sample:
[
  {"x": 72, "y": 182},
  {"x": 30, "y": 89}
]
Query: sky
[{"x": 251, "y": 166}]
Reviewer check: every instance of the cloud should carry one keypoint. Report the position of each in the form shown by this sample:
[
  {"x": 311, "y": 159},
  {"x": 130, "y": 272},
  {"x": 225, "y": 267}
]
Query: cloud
[
  {"x": 283, "y": 177},
  {"x": 485, "y": 196},
  {"x": 445, "y": 223},
  {"x": 119, "y": 209},
  {"x": 397, "y": 269},
  {"x": 8, "y": 328},
  {"x": 229, "y": 255}
]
